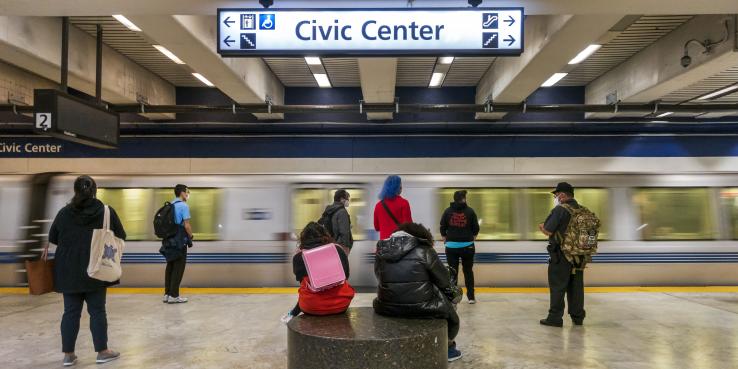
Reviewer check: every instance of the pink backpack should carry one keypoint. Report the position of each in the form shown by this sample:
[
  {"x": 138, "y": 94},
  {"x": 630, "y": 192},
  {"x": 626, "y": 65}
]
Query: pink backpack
[{"x": 324, "y": 267}]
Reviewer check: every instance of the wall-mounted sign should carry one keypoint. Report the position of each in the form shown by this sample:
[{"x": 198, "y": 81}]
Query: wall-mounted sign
[{"x": 411, "y": 31}]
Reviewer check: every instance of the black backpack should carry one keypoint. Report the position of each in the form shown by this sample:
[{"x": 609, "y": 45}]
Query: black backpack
[
  {"x": 326, "y": 220},
  {"x": 164, "y": 225}
]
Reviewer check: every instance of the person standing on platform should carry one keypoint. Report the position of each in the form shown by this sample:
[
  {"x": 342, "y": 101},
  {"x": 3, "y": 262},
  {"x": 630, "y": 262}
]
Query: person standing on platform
[
  {"x": 71, "y": 232},
  {"x": 392, "y": 209},
  {"x": 337, "y": 221},
  {"x": 565, "y": 277},
  {"x": 174, "y": 248},
  {"x": 459, "y": 228}
]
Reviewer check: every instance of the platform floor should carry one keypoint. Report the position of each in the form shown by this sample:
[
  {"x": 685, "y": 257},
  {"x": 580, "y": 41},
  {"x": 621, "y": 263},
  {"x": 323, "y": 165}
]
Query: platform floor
[{"x": 628, "y": 330}]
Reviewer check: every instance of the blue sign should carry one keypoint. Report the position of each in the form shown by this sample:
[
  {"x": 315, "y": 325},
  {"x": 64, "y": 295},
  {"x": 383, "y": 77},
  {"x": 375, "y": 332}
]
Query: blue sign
[{"x": 266, "y": 21}]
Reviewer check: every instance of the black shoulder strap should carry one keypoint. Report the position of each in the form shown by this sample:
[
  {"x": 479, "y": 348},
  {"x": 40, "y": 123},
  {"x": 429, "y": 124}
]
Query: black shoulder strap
[{"x": 386, "y": 208}]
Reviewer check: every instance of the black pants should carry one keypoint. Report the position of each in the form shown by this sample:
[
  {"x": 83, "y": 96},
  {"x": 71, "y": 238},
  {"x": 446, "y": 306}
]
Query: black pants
[
  {"x": 453, "y": 323},
  {"x": 466, "y": 254},
  {"x": 561, "y": 283},
  {"x": 173, "y": 276},
  {"x": 98, "y": 319}
]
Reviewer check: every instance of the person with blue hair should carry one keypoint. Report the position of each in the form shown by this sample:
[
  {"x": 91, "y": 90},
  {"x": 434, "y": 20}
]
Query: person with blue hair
[{"x": 392, "y": 209}]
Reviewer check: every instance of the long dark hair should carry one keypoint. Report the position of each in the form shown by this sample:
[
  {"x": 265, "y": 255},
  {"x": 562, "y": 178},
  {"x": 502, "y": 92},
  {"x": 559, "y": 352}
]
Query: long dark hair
[
  {"x": 85, "y": 188},
  {"x": 417, "y": 230},
  {"x": 314, "y": 235}
]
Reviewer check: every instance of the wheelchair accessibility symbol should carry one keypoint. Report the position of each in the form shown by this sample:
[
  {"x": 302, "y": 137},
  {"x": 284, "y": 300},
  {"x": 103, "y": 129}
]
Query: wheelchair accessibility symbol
[{"x": 266, "y": 21}]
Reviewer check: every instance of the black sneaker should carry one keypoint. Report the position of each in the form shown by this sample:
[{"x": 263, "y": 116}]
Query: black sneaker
[
  {"x": 551, "y": 324},
  {"x": 578, "y": 321}
]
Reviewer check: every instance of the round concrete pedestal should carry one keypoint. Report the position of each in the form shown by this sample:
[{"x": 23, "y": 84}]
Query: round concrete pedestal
[{"x": 361, "y": 339}]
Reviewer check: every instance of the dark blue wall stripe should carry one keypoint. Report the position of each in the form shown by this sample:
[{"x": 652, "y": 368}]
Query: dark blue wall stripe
[{"x": 396, "y": 147}]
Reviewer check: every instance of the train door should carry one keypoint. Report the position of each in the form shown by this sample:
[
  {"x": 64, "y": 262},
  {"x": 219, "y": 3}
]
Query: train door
[{"x": 308, "y": 202}]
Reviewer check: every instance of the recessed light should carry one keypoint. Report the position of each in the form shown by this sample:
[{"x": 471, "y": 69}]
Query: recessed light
[
  {"x": 322, "y": 80},
  {"x": 313, "y": 60},
  {"x": 436, "y": 80},
  {"x": 718, "y": 92},
  {"x": 446, "y": 59},
  {"x": 555, "y": 78},
  {"x": 168, "y": 54},
  {"x": 123, "y": 20},
  {"x": 584, "y": 54},
  {"x": 203, "y": 79},
  {"x": 665, "y": 114}
]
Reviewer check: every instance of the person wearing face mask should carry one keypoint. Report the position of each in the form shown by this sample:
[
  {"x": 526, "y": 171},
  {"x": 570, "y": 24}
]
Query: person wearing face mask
[
  {"x": 175, "y": 248},
  {"x": 337, "y": 221},
  {"x": 565, "y": 279}
]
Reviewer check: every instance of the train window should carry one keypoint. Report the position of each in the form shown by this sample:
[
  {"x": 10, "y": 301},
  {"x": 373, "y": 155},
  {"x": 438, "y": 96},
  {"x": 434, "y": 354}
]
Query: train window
[
  {"x": 540, "y": 202},
  {"x": 204, "y": 208},
  {"x": 675, "y": 213},
  {"x": 308, "y": 205},
  {"x": 729, "y": 199},
  {"x": 494, "y": 208},
  {"x": 133, "y": 206}
]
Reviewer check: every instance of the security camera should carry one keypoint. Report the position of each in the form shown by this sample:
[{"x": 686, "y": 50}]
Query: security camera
[
  {"x": 266, "y": 3},
  {"x": 686, "y": 61},
  {"x": 474, "y": 3}
]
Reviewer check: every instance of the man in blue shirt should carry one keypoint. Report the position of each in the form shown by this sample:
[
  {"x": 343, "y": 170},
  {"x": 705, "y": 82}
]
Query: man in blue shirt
[
  {"x": 459, "y": 228},
  {"x": 175, "y": 268}
]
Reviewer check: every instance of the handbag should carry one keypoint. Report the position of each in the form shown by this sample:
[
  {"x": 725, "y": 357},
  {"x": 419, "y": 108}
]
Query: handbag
[
  {"x": 106, "y": 251},
  {"x": 40, "y": 276}
]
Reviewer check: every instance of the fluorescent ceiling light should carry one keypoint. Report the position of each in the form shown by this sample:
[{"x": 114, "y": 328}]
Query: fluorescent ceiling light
[
  {"x": 126, "y": 22},
  {"x": 718, "y": 92},
  {"x": 168, "y": 53},
  {"x": 436, "y": 80},
  {"x": 584, "y": 54},
  {"x": 666, "y": 114},
  {"x": 312, "y": 60},
  {"x": 203, "y": 79},
  {"x": 322, "y": 79},
  {"x": 555, "y": 78},
  {"x": 446, "y": 59}
]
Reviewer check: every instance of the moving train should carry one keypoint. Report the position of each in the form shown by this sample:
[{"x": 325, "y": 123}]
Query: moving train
[{"x": 658, "y": 229}]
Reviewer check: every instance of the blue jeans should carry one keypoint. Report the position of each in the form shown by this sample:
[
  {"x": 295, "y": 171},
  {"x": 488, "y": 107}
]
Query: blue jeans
[{"x": 98, "y": 319}]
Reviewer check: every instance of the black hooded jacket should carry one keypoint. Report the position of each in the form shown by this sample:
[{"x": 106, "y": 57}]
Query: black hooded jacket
[
  {"x": 340, "y": 224},
  {"x": 71, "y": 231},
  {"x": 459, "y": 223},
  {"x": 411, "y": 278}
]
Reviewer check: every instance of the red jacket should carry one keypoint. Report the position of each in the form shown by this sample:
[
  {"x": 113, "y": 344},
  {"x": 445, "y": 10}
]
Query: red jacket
[
  {"x": 383, "y": 223},
  {"x": 333, "y": 301}
]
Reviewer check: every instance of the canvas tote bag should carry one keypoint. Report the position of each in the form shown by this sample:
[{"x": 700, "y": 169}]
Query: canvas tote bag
[{"x": 106, "y": 250}]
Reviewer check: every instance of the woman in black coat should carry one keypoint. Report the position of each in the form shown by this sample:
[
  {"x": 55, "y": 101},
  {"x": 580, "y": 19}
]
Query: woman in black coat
[
  {"x": 71, "y": 232},
  {"x": 413, "y": 282}
]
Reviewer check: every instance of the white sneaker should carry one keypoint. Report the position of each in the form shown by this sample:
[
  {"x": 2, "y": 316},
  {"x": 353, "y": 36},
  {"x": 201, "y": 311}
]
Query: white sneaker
[
  {"x": 166, "y": 299},
  {"x": 286, "y": 318},
  {"x": 472, "y": 302},
  {"x": 176, "y": 300}
]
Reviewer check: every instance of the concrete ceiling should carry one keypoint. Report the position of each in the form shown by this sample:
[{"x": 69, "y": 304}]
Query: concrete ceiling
[{"x": 634, "y": 34}]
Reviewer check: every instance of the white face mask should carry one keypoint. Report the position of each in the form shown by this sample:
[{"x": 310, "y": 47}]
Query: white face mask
[
  {"x": 345, "y": 203},
  {"x": 556, "y": 201}
]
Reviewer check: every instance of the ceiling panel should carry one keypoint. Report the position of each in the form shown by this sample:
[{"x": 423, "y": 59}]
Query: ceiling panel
[
  {"x": 343, "y": 72},
  {"x": 639, "y": 35},
  {"x": 136, "y": 47},
  {"x": 293, "y": 72},
  {"x": 415, "y": 71},
  {"x": 467, "y": 71},
  {"x": 716, "y": 82}
]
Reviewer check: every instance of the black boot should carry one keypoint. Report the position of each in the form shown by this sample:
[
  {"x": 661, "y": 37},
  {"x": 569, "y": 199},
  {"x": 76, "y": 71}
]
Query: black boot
[{"x": 551, "y": 323}]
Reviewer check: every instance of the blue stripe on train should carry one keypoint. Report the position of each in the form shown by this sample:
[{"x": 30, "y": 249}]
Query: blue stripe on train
[{"x": 481, "y": 258}]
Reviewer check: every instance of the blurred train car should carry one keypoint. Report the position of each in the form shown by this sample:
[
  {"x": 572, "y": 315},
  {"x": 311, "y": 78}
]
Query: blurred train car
[{"x": 658, "y": 229}]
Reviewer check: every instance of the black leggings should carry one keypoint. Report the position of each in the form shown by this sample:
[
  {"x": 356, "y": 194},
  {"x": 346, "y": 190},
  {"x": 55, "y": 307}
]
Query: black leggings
[
  {"x": 466, "y": 254},
  {"x": 73, "y": 303}
]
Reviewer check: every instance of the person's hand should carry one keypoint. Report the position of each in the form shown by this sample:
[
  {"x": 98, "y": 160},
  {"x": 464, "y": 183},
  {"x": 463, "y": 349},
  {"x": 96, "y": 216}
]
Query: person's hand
[
  {"x": 45, "y": 253},
  {"x": 540, "y": 226},
  {"x": 443, "y": 238}
]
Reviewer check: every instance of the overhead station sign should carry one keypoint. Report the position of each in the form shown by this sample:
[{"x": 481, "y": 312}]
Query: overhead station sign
[{"x": 412, "y": 31}]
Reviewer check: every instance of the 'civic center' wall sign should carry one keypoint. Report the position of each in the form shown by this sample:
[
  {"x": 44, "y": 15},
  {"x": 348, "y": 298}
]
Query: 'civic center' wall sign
[{"x": 412, "y": 31}]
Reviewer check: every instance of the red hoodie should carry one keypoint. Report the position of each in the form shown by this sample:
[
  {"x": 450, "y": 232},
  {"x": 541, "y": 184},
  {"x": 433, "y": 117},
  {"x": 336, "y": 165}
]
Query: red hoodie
[{"x": 383, "y": 223}]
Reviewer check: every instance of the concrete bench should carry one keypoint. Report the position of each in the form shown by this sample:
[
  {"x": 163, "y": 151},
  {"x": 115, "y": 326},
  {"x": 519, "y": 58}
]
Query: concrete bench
[{"x": 362, "y": 339}]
